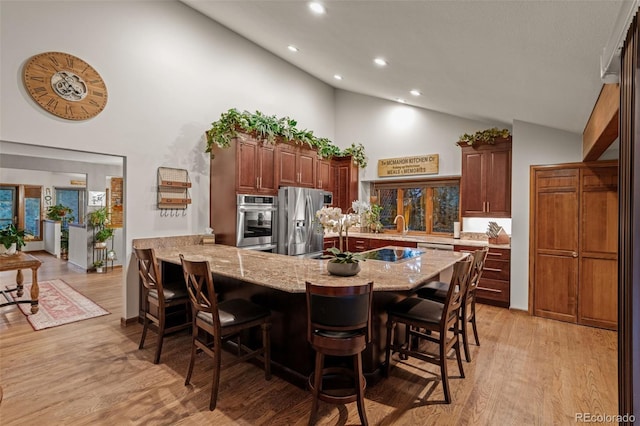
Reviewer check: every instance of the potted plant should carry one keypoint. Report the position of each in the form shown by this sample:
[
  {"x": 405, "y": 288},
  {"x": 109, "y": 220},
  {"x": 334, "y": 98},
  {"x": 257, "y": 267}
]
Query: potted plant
[
  {"x": 102, "y": 236},
  {"x": 98, "y": 264},
  {"x": 58, "y": 212},
  {"x": 342, "y": 263},
  {"x": 11, "y": 239},
  {"x": 272, "y": 129},
  {"x": 487, "y": 136},
  {"x": 98, "y": 218}
]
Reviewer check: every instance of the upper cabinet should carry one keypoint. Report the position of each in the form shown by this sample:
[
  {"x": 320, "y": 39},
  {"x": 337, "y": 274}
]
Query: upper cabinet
[
  {"x": 345, "y": 182},
  {"x": 252, "y": 166},
  {"x": 324, "y": 175},
  {"x": 296, "y": 166},
  {"x": 485, "y": 186},
  {"x": 255, "y": 167}
]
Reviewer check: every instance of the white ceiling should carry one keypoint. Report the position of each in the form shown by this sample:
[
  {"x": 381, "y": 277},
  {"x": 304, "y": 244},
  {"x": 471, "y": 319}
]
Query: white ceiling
[{"x": 494, "y": 61}]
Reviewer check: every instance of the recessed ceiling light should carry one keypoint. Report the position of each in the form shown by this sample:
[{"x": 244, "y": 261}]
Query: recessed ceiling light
[
  {"x": 317, "y": 8},
  {"x": 337, "y": 76},
  {"x": 292, "y": 48},
  {"x": 380, "y": 62},
  {"x": 400, "y": 100},
  {"x": 415, "y": 92}
]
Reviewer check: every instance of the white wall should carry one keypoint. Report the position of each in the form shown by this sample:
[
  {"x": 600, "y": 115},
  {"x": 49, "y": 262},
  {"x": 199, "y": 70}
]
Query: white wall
[
  {"x": 532, "y": 145},
  {"x": 390, "y": 129},
  {"x": 170, "y": 72}
]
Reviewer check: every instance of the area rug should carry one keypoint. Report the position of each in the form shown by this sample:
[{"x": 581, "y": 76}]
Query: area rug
[{"x": 59, "y": 304}]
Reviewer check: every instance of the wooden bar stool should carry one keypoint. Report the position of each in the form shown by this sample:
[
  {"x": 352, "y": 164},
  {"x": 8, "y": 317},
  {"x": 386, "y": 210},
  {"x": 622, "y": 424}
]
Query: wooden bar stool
[
  {"x": 221, "y": 321},
  {"x": 339, "y": 324},
  {"x": 437, "y": 291},
  {"x": 159, "y": 300},
  {"x": 433, "y": 317}
]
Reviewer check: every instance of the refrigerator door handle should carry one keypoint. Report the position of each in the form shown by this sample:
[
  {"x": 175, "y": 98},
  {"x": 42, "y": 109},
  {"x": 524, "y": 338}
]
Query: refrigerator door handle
[{"x": 309, "y": 217}]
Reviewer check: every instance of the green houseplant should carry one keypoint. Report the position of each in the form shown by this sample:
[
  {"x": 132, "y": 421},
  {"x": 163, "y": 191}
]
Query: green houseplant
[
  {"x": 59, "y": 212},
  {"x": 273, "y": 130},
  {"x": 12, "y": 239},
  {"x": 98, "y": 218},
  {"x": 104, "y": 234},
  {"x": 487, "y": 136}
]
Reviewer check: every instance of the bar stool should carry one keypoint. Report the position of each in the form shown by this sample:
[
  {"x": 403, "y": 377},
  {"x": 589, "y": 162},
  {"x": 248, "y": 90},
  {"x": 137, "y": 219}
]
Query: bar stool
[
  {"x": 437, "y": 291},
  {"x": 158, "y": 299},
  {"x": 221, "y": 321},
  {"x": 421, "y": 314},
  {"x": 339, "y": 324}
]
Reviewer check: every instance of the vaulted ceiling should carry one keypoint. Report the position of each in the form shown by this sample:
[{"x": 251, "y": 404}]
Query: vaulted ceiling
[{"x": 494, "y": 61}]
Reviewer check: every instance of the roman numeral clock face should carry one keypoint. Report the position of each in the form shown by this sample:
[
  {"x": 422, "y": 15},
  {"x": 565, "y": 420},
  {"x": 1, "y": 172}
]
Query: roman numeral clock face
[{"x": 65, "y": 85}]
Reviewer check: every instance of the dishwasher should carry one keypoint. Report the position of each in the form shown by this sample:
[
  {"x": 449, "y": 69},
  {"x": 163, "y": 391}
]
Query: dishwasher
[{"x": 445, "y": 276}]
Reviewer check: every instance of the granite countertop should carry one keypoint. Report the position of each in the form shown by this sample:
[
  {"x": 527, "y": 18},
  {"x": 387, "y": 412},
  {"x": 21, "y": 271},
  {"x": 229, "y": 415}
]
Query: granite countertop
[
  {"x": 288, "y": 273},
  {"x": 476, "y": 242}
]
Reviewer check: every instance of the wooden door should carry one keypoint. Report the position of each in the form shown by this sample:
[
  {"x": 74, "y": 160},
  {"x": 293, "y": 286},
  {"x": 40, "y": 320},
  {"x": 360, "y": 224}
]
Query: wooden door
[
  {"x": 555, "y": 216},
  {"x": 598, "y": 288},
  {"x": 266, "y": 169},
  {"x": 498, "y": 182},
  {"x": 472, "y": 183},
  {"x": 246, "y": 166}
]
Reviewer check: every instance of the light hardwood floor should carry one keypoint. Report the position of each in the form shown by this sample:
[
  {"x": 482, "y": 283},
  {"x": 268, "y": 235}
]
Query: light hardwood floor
[{"x": 527, "y": 371}]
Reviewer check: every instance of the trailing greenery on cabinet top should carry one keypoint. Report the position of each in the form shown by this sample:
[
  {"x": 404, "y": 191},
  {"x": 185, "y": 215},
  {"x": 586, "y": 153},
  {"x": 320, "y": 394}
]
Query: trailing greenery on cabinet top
[
  {"x": 487, "y": 136},
  {"x": 274, "y": 130}
]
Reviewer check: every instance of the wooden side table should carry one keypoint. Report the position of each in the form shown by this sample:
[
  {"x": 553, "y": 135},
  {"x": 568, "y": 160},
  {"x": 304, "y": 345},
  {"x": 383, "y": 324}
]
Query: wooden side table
[{"x": 20, "y": 261}]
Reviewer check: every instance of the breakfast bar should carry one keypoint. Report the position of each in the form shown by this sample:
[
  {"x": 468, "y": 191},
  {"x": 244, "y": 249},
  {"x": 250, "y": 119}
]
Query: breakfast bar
[{"x": 278, "y": 282}]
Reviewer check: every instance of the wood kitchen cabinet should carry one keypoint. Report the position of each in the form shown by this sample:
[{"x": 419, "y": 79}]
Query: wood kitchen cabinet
[
  {"x": 255, "y": 167},
  {"x": 324, "y": 175},
  {"x": 296, "y": 166},
  {"x": 345, "y": 184},
  {"x": 495, "y": 283},
  {"x": 485, "y": 185},
  {"x": 574, "y": 266}
]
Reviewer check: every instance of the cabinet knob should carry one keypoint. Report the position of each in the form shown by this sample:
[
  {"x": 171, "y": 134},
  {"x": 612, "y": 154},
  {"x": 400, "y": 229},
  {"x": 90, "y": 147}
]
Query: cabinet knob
[{"x": 574, "y": 254}]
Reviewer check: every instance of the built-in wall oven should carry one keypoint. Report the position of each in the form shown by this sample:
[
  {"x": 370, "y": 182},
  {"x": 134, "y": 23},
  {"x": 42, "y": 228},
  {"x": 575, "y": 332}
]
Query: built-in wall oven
[{"x": 257, "y": 222}]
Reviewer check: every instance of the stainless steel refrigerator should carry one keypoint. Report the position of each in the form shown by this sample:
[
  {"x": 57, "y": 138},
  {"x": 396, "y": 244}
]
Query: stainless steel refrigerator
[{"x": 299, "y": 234}]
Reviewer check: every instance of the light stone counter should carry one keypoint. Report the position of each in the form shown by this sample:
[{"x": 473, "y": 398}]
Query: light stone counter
[{"x": 287, "y": 273}]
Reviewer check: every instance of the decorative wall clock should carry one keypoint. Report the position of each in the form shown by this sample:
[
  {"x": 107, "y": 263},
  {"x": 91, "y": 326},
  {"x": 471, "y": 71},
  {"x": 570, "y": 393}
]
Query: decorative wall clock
[{"x": 65, "y": 85}]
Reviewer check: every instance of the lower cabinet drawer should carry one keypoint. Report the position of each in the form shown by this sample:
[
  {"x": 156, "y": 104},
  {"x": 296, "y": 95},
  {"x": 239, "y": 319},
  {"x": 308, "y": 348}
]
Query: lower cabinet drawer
[
  {"x": 493, "y": 292},
  {"x": 496, "y": 269}
]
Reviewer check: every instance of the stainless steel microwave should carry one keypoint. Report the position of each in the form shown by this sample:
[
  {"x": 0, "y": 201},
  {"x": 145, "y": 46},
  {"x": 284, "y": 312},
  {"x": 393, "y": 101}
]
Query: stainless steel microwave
[{"x": 327, "y": 198}]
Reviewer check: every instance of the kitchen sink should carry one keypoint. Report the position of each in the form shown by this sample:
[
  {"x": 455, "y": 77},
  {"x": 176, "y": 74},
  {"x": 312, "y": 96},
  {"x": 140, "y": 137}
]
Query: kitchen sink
[{"x": 386, "y": 254}]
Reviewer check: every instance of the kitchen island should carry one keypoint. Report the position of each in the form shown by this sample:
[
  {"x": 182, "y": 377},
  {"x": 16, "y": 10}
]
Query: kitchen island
[{"x": 278, "y": 283}]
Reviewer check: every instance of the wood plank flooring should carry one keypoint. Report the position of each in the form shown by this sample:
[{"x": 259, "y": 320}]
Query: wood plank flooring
[{"x": 528, "y": 371}]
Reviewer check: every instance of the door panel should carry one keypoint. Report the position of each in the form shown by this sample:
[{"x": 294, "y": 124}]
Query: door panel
[
  {"x": 287, "y": 166},
  {"x": 599, "y": 293},
  {"x": 556, "y": 219},
  {"x": 499, "y": 183},
  {"x": 247, "y": 155},
  {"x": 472, "y": 185},
  {"x": 556, "y": 287},
  {"x": 266, "y": 169}
]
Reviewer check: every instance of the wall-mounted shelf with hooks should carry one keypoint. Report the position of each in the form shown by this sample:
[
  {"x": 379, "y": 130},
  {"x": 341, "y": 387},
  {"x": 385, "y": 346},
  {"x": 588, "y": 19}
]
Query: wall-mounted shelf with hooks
[{"x": 173, "y": 189}]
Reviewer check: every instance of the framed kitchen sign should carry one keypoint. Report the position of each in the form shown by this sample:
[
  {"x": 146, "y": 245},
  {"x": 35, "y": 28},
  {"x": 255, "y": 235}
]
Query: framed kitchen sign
[{"x": 407, "y": 166}]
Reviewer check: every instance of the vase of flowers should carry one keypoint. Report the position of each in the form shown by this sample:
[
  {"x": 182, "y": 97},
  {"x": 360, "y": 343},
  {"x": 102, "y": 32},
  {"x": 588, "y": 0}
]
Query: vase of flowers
[
  {"x": 368, "y": 214},
  {"x": 341, "y": 262}
]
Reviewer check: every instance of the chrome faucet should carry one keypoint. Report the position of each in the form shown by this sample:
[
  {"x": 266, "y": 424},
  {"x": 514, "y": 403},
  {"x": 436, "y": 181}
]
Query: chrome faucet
[{"x": 404, "y": 224}]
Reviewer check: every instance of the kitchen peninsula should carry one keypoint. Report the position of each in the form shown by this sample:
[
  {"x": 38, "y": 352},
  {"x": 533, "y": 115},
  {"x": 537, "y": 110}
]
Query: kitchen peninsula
[{"x": 278, "y": 282}]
